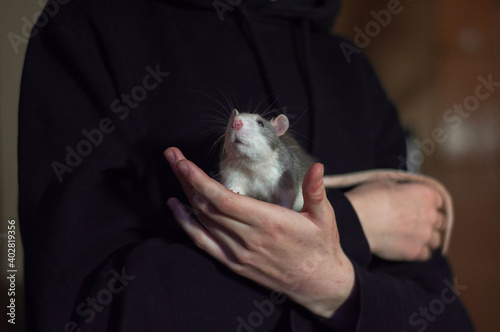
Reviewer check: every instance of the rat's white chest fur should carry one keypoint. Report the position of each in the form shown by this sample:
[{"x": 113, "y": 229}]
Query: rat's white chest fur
[
  {"x": 260, "y": 180},
  {"x": 257, "y": 163}
]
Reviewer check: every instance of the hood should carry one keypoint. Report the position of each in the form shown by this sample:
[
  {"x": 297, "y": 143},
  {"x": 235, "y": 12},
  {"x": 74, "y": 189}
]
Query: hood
[{"x": 307, "y": 14}]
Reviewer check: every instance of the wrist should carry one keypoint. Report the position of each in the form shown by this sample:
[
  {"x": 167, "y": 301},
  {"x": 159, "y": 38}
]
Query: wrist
[
  {"x": 360, "y": 206},
  {"x": 335, "y": 290}
]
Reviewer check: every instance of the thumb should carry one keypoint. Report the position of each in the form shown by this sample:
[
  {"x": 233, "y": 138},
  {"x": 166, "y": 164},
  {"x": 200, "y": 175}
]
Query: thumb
[{"x": 316, "y": 203}]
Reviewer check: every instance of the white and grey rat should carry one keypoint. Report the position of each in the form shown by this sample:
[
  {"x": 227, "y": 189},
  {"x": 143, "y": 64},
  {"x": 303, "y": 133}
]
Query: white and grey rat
[{"x": 261, "y": 160}]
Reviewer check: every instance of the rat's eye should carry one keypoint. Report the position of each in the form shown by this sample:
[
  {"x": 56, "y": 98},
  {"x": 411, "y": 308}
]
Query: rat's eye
[{"x": 260, "y": 123}]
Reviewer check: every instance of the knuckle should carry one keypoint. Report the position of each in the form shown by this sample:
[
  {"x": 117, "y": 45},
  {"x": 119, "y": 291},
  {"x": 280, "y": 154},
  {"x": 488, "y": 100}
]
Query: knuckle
[
  {"x": 438, "y": 238},
  {"x": 252, "y": 243},
  {"x": 427, "y": 192},
  {"x": 432, "y": 215},
  {"x": 414, "y": 252},
  {"x": 198, "y": 241},
  {"x": 317, "y": 196},
  {"x": 244, "y": 258},
  {"x": 271, "y": 228},
  {"x": 225, "y": 203},
  {"x": 258, "y": 245},
  {"x": 436, "y": 242},
  {"x": 421, "y": 192},
  {"x": 427, "y": 235},
  {"x": 210, "y": 190},
  {"x": 442, "y": 223},
  {"x": 237, "y": 268},
  {"x": 431, "y": 196},
  {"x": 200, "y": 204},
  {"x": 425, "y": 254}
]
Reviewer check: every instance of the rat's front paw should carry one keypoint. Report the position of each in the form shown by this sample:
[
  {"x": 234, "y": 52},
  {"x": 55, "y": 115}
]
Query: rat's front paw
[{"x": 237, "y": 191}]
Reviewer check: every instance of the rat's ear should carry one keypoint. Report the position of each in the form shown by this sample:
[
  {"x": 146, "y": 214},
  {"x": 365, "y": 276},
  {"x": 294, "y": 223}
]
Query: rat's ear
[{"x": 281, "y": 124}]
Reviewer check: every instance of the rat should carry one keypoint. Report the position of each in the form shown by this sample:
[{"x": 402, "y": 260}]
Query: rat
[{"x": 262, "y": 160}]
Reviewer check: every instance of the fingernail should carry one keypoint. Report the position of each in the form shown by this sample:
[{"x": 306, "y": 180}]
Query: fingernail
[
  {"x": 170, "y": 157},
  {"x": 319, "y": 182},
  {"x": 320, "y": 176},
  {"x": 183, "y": 168},
  {"x": 172, "y": 204}
]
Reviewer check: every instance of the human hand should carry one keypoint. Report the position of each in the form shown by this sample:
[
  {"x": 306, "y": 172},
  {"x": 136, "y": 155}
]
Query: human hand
[
  {"x": 401, "y": 221},
  {"x": 294, "y": 253}
]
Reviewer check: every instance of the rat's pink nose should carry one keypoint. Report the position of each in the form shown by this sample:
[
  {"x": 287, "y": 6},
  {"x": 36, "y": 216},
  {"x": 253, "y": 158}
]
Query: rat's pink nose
[{"x": 237, "y": 123}]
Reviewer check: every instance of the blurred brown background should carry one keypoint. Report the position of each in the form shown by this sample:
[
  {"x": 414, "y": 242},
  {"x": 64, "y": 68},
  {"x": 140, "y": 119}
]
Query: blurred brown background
[{"x": 429, "y": 57}]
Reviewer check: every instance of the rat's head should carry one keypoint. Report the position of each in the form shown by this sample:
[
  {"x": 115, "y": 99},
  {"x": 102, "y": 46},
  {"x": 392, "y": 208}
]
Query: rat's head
[{"x": 251, "y": 136}]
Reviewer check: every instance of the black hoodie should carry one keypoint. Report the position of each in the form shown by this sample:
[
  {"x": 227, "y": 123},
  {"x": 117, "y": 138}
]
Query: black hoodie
[{"x": 108, "y": 85}]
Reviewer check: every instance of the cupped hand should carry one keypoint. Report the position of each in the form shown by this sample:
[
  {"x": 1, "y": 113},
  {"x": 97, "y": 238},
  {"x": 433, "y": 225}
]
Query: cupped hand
[
  {"x": 296, "y": 253},
  {"x": 401, "y": 221}
]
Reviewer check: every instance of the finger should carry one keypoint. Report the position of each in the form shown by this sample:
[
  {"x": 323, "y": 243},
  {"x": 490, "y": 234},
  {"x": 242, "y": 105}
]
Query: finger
[
  {"x": 316, "y": 203},
  {"x": 181, "y": 168},
  {"x": 173, "y": 155},
  {"x": 214, "y": 241},
  {"x": 219, "y": 229},
  {"x": 193, "y": 177},
  {"x": 440, "y": 224},
  {"x": 221, "y": 199},
  {"x": 218, "y": 223},
  {"x": 424, "y": 254},
  {"x": 435, "y": 240},
  {"x": 444, "y": 221},
  {"x": 234, "y": 206},
  {"x": 438, "y": 199},
  {"x": 200, "y": 236}
]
